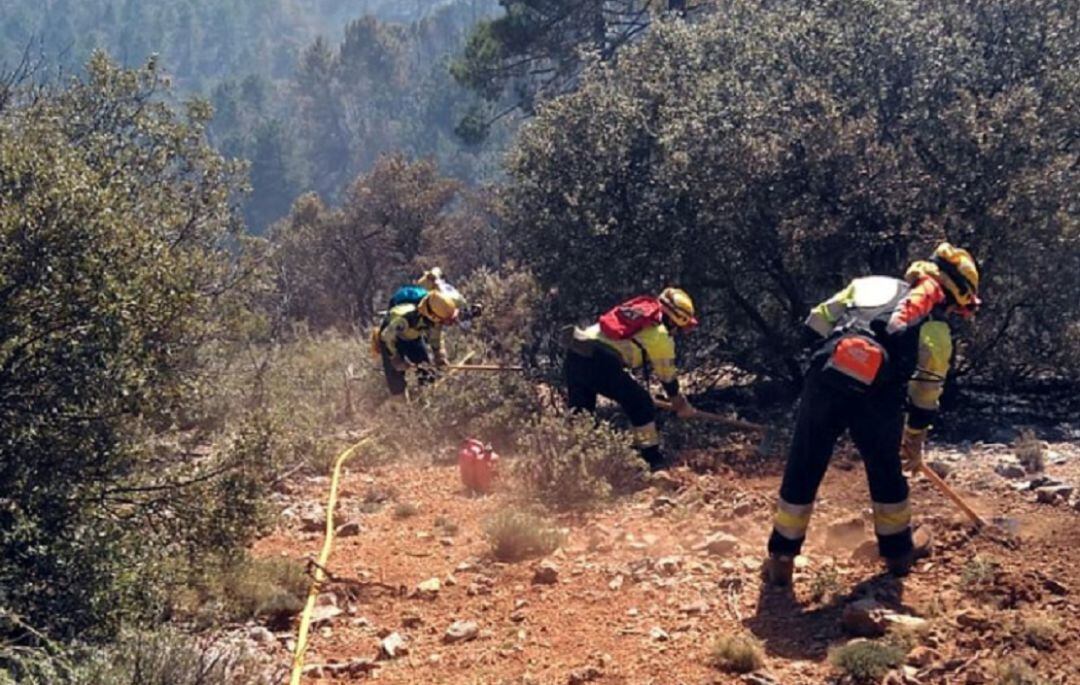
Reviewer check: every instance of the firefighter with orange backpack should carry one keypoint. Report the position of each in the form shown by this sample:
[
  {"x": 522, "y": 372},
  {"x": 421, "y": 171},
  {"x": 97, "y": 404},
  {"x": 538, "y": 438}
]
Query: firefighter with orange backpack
[
  {"x": 882, "y": 349},
  {"x": 637, "y": 334}
]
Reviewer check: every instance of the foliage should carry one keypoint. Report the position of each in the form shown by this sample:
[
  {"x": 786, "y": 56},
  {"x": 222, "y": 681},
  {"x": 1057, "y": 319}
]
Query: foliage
[
  {"x": 574, "y": 462},
  {"x": 406, "y": 510},
  {"x": 824, "y": 584},
  {"x": 767, "y": 155},
  {"x": 120, "y": 258},
  {"x": 741, "y": 653},
  {"x": 536, "y": 50},
  {"x": 164, "y": 657},
  {"x": 517, "y": 534},
  {"x": 866, "y": 661},
  {"x": 1030, "y": 453},
  {"x": 978, "y": 574},
  {"x": 247, "y": 588},
  {"x": 1016, "y": 672},
  {"x": 1041, "y": 631}
]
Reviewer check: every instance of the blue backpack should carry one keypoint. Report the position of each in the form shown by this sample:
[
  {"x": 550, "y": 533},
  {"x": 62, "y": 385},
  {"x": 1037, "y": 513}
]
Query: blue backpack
[{"x": 408, "y": 294}]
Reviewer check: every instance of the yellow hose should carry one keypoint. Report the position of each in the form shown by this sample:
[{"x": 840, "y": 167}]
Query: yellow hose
[{"x": 313, "y": 593}]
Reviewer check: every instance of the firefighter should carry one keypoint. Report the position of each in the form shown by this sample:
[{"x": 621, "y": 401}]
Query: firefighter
[
  {"x": 637, "y": 334},
  {"x": 412, "y": 333},
  {"x": 881, "y": 351}
]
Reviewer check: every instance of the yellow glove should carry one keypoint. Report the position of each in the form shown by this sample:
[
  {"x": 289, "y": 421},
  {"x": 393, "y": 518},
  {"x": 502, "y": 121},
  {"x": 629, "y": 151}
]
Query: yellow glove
[
  {"x": 911, "y": 448},
  {"x": 681, "y": 405}
]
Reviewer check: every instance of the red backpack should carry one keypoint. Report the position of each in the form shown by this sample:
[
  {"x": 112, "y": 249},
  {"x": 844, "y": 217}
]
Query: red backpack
[{"x": 625, "y": 320}]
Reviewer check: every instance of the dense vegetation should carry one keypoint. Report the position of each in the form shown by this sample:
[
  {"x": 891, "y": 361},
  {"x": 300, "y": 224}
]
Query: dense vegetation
[{"x": 170, "y": 346}]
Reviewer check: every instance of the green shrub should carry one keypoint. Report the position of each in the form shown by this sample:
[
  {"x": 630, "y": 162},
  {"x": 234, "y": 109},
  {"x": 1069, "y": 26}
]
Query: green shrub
[
  {"x": 978, "y": 573},
  {"x": 825, "y": 583},
  {"x": 1029, "y": 451},
  {"x": 1041, "y": 632},
  {"x": 740, "y": 653},
  {"x": 271, "y": 589},
  {"x": 1016, "y": 672},
  {"x": 574, "y": 462},
  {"x": 515, "y": 535},
  {"x": 866, "y": 661}
]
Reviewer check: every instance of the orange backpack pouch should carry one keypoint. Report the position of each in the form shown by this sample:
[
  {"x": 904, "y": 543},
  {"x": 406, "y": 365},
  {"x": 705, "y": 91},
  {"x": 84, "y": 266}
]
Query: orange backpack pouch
[{"x": 859, "y": 358}]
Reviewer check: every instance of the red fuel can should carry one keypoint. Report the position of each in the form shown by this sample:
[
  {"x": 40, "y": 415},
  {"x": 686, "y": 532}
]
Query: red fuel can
[{"x": 478, "y": 464}]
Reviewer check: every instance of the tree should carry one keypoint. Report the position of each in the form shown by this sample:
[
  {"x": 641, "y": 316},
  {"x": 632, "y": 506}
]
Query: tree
[
  {"x": 762, "y": 158},
  {"x": 120, "y": 255}
]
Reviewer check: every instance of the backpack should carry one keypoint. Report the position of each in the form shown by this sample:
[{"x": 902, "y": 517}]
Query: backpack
[
  {"x": 630, "y": 317},
  {"x": 408, "y": 294},
  {"x": 862, "y": 355}
]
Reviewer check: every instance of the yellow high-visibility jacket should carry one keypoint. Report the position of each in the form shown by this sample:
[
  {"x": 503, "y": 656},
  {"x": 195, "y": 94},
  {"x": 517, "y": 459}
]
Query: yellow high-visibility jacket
[
  {"x": 405, "y": 322},
  {"x": 656, "y": 341},
  {"x": 935, "y": 338}
]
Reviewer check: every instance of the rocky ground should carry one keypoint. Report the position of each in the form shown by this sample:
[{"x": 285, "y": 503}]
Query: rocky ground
[{"x": 641, "y": 589}]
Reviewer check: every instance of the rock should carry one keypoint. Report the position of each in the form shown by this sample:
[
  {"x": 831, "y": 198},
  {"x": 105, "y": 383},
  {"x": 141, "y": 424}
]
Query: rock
[
  {"x": 668, "y": 566},
  {"x": 326, "y": 599},
  {"x": 313, "y": 519},
  {"x": 866, "y": 553},
  {"x": 348, "y": 530},
  {"x": 393, "y": 646},
  {"x": 743, "y": 508},
  {"x": 942, "y": 468},
  {"x": 751, "y": 563},
  {"x": 323, "y": 615},
  {"x": 461, "y": 631},
  {"x": 664, "y": 481},
  {"x": 545, "y": 573},
  {"x": 868, "y": 618},
  {"x": 429, "y": 589},
  {"x": 921, "y": 656},
  {"x": 695, "y": 608},
  {"x": 1010, "y": 469},
  {"x": 663, "y": 504},
  {"x": 616, "y": 583},
  {"x": 411, "y": 621},
  {"x": 846, "y": 533},
  {"x": 973, "y": 618},
  {"x": 313, "y": 671},
  {"x": 658, "y": 634},
  {"x": 1051, "y": 494},
  {"x": 351, "y": 667},
  {"x": 718, "y": 544},
  {"x": 1055, "y": 587},
  {"x": 586, "y": 674},
  {"x": 518, "y": 616},
  {"x": 760, "y": 678},
  {"x": 261, "y": 636}
]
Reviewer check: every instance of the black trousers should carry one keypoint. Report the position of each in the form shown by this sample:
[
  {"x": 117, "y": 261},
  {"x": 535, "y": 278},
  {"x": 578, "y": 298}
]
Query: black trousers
[
  {"x": 603, "y": 374},
  {"x": 875, "y": 421},
  {"x": 417, "y": 352}
]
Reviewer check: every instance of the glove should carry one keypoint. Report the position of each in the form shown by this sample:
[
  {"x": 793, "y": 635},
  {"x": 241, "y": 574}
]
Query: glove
[
  {"x": 399, "y": 364},
  {"x": 682, "y": 407},
  {"x": 911, "y": 448}
]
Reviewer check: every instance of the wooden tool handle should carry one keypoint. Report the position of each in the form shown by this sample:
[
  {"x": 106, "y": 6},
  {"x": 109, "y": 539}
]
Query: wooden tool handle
[
  {"x": 485, "y": 367},
  {"x": 717, "y": 418},
  {"x": 951, "y": 494}
]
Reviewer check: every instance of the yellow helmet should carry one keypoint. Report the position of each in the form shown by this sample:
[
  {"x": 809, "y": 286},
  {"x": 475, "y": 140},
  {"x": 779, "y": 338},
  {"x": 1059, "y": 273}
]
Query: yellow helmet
[
  {"x": 678, "y": 307},
  {"x": 438, "y": 307},
  {"x": 430, "y": 278},
  {"x": 959, "y": 274}
]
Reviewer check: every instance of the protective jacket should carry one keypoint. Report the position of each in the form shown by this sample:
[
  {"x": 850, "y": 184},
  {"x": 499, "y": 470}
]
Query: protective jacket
[
  {"x": 901, "y": 316},
  {"x": 652, "y": 347},
  {"x": 405, "y": 322}
]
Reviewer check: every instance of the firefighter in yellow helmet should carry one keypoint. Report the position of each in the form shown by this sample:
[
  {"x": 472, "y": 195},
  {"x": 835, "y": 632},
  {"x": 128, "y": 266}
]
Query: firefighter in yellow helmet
[
  {"x": 412, "y": 333},
  {"x": 881, "y": 353},
  {"x": 637, "y": 334}
]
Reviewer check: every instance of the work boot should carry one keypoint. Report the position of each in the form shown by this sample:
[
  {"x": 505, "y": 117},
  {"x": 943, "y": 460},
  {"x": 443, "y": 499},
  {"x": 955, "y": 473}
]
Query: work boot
[
  {"x": 654, "y": 458},
  {"x": 920, "y": 548},
  {"x": 779, "y": 569}
]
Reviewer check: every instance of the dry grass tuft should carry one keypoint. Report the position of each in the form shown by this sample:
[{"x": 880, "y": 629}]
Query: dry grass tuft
[
  {"x": 516, "y": 535},
  {"x": 739, "y": 653}
]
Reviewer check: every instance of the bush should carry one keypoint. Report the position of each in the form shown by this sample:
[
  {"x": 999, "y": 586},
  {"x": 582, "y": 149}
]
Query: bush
[
  {"x": 1029, "y": 451},
  {"x": 406, "y": 510},
  {"x": 121, "y": 255},
  {"x": 825, "y": 583},
  {"x": 572, "y": 461},
  {"x": 978, "y": 574},
  {"x": 955, "y": 111},
  {"x": 1041, "y": 632},
  {"x": 1016, "y": 672},
  {"x": 516, "y": 535},
  {"x": 741, "y": 653},
  {"x": 865, "y": 661},
  {"x": 267, "y": 589}
]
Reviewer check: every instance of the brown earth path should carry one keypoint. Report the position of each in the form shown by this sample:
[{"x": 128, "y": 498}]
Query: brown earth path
[{"x": 614, "y": 591}]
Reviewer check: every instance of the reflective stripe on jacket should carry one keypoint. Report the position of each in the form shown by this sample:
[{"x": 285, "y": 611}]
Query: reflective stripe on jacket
[
  {"x": 405, "y": 322},
  {"x": 935, "y": 340},
  {"x": 656, "y": 341}
]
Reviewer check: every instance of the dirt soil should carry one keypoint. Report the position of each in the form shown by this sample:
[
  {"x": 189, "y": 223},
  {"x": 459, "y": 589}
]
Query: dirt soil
[{"x": 638, "y": 599}]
